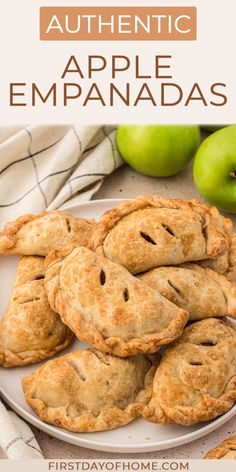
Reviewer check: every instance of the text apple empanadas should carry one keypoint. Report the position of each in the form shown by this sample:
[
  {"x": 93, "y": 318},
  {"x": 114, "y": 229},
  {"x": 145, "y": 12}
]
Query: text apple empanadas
[
  {"x": 202, "y": 292},
  {"x": 90, "y": 391},
  {"x": 30, "y": 330},
  {"x": 107, "y": 307},
  {"x": 154, "y": 231},
  {"x": 226, "y": 450},
  {"x": 196, "y": 378},
  {"x": 36, "y": 235}
]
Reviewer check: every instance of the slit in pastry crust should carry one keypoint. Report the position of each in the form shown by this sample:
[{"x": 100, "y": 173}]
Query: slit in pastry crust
[
  {"x": 107, "y": 307},
  {"x": 226, "y": 450},
  {"x": 153, "y": 231},
  {"x": 36, "y": 235},
  {"x": 88, "y": 390},
  {"x": 202, "y": 292},
  {"x": 196, "y": 378},
  {"x": 29, "y": 330}
]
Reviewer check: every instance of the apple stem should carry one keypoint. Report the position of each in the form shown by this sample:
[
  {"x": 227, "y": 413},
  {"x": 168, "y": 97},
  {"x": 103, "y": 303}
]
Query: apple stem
[{"x": 233, "y": 175}]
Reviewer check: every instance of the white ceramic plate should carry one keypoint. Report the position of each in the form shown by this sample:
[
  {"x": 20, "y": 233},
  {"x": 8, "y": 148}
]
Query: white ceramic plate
[{"x": 139, "y": 436}]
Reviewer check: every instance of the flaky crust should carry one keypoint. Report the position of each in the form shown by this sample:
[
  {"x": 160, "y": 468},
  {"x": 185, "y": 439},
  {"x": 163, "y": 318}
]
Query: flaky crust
[
  {"x": 29, "y": 330},
  {"x": 202, "y": 292},
  {"x": 153, "y": 231},
  {"x": 105, "y": 306},
  {"x": 196, "y": 378},
  {"x": 89, "y": 391},
  {"x": 226, "y": 263},
  {"x": 36, "y": 235},
  {"x": 226, "y": 450},
  {"x": 231, "y": 272}
]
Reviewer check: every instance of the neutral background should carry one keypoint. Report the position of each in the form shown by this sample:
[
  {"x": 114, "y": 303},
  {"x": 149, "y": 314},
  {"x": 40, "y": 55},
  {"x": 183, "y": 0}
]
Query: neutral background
[
  {"x": 25, "y": 59},
  {"x": 123, "y": 183}
]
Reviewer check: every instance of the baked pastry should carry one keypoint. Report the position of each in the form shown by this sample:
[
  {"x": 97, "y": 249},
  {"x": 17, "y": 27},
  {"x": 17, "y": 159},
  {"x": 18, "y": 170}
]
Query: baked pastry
[
  {"x": 202, "y": 292},
  {"x": 30, "y": 330},
  {"x": 36, "y": 235},
  {"x": 196, "y": 378},
  {"x": 105, "y": 306},
  {"x": 226, "y": 263},
  {"x": 154, "y": 231},
  {"x": 231, "y": 271},
  {"x": 226, "y": 450},
  {"x": 90, "y": 391}
]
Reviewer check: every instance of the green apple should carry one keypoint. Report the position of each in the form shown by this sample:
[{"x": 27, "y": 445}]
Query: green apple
[
  {"x": 158, "y": 150},
  {"x": 214, "y": 169}
]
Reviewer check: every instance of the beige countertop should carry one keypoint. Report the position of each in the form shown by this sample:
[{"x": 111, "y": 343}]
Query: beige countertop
[{"x": 121, "y": 184}]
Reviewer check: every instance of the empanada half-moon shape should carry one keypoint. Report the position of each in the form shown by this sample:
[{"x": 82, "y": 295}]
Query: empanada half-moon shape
[
  {"x": 29, "y": 330},
  {"x": 226, "y": 450},
  {"x": 202, "y": 292},
  {"x": 196, "y": 378},
  {"x": 36, "y": 235},
  {"x": 107, "y": 307},
  {"x": 154, "y": 231},
  {"x": 90, "y": 391}
]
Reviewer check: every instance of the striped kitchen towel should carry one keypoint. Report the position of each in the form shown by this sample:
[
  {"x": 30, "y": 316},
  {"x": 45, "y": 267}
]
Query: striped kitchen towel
[
  {"x": 16, "y": 438},
  {"x": 42, "y": 166}
]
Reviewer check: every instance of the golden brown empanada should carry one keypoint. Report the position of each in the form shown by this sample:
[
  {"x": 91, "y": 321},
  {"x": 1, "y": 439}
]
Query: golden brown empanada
[
  {"x": 154, "y": 231},
  {"x": 36, "y": 235},
  {"x": 196, "y": 378},
  {"x": 202, "y": 292},
  {"x": 30, "y": 330},
  {"x": 105, "y": 306},
  {"x": 226, "y": 450},
  {"x": 90, "y": 391},
  {"x": 231, "y": 271}
]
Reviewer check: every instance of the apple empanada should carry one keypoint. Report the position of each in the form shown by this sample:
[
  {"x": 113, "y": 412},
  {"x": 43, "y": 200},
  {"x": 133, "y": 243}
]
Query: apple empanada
[
  {"x": 196, "y": 378},
  {"x": 154, "y": 231},
  {"x": 90, "y": 391},
  {"x": 30, "y": 330},
  {"x": 36, "y": 235},
  {"x": 107, "y": 307},
  {"x": 226, "y": 450},
  {"x": 202, "y": 292}
]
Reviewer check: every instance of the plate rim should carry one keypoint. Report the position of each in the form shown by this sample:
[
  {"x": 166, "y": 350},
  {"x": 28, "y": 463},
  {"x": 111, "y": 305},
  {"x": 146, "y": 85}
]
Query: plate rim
[
  {"x": 103, "y": 446},
  {"x": 139, "y": 448}
]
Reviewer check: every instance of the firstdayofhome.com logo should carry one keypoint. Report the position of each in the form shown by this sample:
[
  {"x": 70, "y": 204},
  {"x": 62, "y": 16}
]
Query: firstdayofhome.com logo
[{"x": 118, "y": 23}]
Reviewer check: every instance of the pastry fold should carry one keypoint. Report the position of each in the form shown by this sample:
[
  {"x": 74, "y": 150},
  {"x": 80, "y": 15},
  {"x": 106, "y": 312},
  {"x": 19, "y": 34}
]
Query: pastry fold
[
  {"x": 226, "y": 450},
  {"x": 196, "y": 378},
  {"x": 153, "y": 231},
  {"x": 202, "y": 292},
  {"x": 36, "y": 235},
  {"x": 107, "y": 307},
  {"x": 29, "y": 330},
  {"x": 88, "y": 390}
]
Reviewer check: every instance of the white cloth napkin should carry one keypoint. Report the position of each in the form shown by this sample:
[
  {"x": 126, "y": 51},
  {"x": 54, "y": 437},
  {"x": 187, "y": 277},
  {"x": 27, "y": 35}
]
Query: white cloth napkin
[
  {"x": 42, "y": 167},
  {"x": 16, "y": 438}
]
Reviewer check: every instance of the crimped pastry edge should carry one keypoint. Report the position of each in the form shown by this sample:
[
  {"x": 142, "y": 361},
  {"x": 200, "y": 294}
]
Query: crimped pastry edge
[
  {"x": 12, "y": 359},
  {"x": 113, "y": 345},
  {"x": 108, "y": 419},
  {"x": 220, "y": 451},
  {"x": 8, "y": 235},
  {"x": 217, "y": 228},
  {"x": 9, "y": 358},
  {"x": 206, "y": 409},
  {"x": 228, "y": 287}
]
